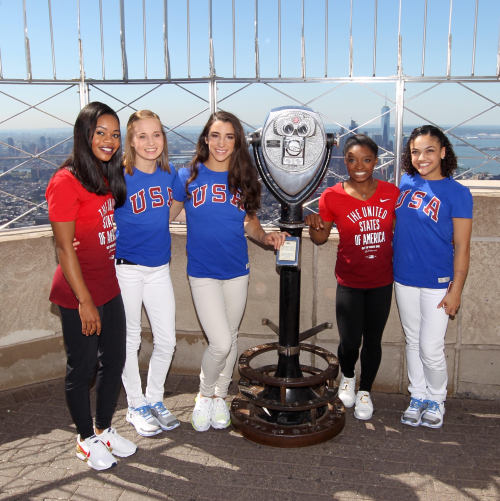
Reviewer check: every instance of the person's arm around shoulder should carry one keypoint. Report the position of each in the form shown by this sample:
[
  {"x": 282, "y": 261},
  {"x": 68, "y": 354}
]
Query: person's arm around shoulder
[
  {"x": 319, "y": 230},
  {"x": 64, "y": 233},
  {"x": 254, "y": 230},
  {"x": 462, "y": 229}
]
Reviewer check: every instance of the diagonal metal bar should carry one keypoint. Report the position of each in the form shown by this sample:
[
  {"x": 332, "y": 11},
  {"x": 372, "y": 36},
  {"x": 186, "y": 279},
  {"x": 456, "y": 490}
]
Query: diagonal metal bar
[
  {"x": 450, "y": 133},
  {"x": 6, "y": 225},
  {"x": 35, "y": 106},
  {"x": 478, "y": 93},
  {"x": 279, "y": 91}
]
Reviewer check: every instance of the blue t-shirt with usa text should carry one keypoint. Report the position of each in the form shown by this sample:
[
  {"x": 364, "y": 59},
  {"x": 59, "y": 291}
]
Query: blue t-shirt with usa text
[
  {"x": 216, "y": 243},
  {"x": 142, "y": 229},
  {"x": 423, "y": 237}
]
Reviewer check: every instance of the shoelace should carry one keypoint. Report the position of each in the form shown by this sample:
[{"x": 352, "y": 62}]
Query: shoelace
[
  {"x": 160, "y": 407},
  {"x": 432, "y": 405},
  {"x": 144, "y": 412},
  {"x": 415, "y": 403}
]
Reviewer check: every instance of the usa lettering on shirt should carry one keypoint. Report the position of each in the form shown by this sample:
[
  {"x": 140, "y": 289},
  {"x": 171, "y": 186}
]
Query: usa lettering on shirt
[
  {"x": 156, "y": 198},
  {"x": 418, "y": 201},
  {"x": 219, "y": 194}
]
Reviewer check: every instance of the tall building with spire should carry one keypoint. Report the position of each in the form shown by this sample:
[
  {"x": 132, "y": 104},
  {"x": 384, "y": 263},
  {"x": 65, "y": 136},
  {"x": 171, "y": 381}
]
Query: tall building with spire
[{"x": 386, "y": 120}]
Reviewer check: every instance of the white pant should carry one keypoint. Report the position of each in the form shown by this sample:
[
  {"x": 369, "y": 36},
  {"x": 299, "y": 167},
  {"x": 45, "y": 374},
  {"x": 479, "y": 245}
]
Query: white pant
[
  {"x": 220, "y": 305},
  {"x": 153, "y": 287},
  {"x": 425, "y": 327}
]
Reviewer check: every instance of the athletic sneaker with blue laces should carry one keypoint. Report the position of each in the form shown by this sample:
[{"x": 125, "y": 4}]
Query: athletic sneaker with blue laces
[
  {"x": 412, "y": 416},
  {"x": 433, "y": 414},
  {"x": 143, "y": 421},
  {"x": 166, "y": 419}
]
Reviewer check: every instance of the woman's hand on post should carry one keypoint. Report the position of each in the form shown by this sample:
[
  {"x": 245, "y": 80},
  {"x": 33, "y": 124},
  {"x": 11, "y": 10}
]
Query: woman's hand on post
[
  {"x": 275, "y": 239},
  {"x": 314, "y": 222}
]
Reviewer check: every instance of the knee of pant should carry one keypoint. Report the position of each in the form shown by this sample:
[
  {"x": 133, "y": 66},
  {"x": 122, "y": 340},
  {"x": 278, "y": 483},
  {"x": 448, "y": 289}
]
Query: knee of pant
[
  {"x": 164, "y": 348},
  {"x": 434, "y": 359},
  {"x": 80, "y": 376},
  {"x": 220, "y": 351},
  {"x": 133, "y": 344}
]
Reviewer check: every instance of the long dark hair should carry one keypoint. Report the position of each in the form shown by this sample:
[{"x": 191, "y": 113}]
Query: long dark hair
[
  {"x": 96, "y": 176},
  {"x": 448, "y": 163},
  {"x": 241, "y": 175}
]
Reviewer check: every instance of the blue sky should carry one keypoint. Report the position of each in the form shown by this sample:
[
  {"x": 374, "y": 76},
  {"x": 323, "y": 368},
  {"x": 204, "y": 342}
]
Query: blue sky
[{"x": 348, "y": 101}]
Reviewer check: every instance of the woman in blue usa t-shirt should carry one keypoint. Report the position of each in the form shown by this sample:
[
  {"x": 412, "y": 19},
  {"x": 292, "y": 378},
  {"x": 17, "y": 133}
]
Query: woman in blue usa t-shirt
[
  {"x": 221, "y": 194},
  {"x": 431, "y": 261}
]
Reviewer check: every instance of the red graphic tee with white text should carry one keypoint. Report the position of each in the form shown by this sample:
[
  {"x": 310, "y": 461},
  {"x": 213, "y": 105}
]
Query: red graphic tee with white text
[
  {"x": 364, "y": 256},
  {"x": 93, "y": 214}
]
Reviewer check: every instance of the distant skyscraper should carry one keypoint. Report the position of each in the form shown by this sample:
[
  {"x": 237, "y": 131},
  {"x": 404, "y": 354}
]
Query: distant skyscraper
[{"x": 386, "y": 121}]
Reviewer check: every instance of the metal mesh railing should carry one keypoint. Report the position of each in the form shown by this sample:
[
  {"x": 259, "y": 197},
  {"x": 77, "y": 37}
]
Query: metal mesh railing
[{"x": 370, "y": 66}]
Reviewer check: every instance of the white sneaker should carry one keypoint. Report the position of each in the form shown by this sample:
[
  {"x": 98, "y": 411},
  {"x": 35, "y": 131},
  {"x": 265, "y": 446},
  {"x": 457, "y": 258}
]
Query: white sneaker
[
  {"x": 433, "y": 414},
  {"x": 364, "y": 405},
  {"x": 165, "y": 418},
  {"x": 143, "y": 421},
  {"x": 94, "y": 453},
  {"x": 116, "y": 444},
  {"x": 220, "y": 417},
  {"x": 202, "y": 412},
  {"x": 346, "y": 390},
  {"x": 412, "y": 416}
]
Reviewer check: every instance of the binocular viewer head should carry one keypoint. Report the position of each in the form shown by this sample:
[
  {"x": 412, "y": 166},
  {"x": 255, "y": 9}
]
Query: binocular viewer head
[{"x": 294, "y": 152}]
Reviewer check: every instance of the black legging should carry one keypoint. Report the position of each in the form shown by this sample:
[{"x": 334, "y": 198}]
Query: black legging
[
  {"x": 106, "y": 353},
  {"x": 362, "y": 314}
]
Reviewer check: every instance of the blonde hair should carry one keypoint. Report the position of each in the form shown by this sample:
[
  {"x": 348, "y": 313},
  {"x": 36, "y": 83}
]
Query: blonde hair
[{"x": 129, "y": 155}]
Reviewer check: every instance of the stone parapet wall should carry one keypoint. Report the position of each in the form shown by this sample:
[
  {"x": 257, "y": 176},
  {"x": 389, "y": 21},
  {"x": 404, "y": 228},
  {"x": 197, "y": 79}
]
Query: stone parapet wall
[{"x": 31, "y": 346}]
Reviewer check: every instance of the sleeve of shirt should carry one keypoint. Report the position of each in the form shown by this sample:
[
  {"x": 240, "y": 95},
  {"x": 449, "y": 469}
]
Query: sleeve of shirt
[
  {"x": 179, "y": 185},
  {"x": 462, "y": 203},
  {"x": 62, "y": 198},
  {"x": 324, "y": 206}
]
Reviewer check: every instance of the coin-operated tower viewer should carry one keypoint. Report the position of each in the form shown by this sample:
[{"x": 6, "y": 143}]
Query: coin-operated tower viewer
[{"x": 290, "y": 404}]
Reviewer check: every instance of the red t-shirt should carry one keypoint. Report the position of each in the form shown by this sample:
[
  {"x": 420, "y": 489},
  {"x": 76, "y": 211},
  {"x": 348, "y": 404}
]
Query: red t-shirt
[
  {"x": 364, "y": 256},
  {"x": 68, "y": 200}
]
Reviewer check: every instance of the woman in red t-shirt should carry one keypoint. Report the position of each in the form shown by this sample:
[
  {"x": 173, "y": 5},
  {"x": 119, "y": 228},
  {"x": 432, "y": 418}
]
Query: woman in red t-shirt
[
  {"x": 363, "y": 210},
  {"x": 81, "y": 199}
]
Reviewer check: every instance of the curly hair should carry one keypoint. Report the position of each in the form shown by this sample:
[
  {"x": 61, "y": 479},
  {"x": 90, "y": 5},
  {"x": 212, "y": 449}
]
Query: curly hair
[
  {"x": 95, "y": 176},
  {"x": 129, "y": 155},
  {"x": 448, "y": 163},
  {"x": 241, "y": 175}
]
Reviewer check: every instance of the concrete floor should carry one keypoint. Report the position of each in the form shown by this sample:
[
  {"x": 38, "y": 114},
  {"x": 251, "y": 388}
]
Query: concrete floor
[{"x": 380, "y": 459}]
